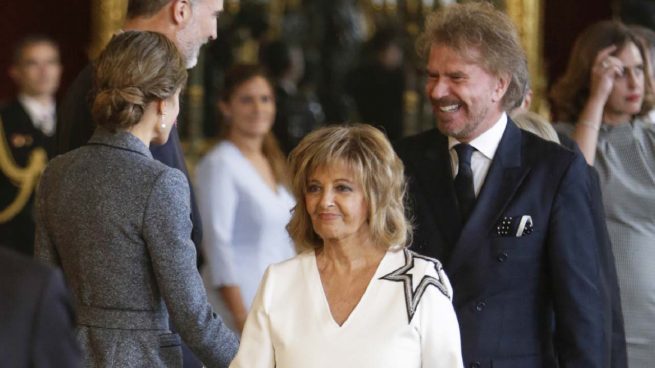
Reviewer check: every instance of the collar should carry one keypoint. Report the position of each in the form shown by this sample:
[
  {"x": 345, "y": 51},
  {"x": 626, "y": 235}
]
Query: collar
[
  {"x": 35, "y": 108},
  {"x": 121, "y": 139},
  {"x": 487, "y": 142}
]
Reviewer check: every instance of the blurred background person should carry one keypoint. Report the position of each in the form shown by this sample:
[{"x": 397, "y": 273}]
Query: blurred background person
[
  {"x": 356, "y": 297},
  {"x": 117, "y": 221},
  {"x": 28, "y": 125},
  {"x": 243, "y": 197},
  {"x": 603, "y": 98},
  {"x": 297, "y": 111},
  {"x": 36, "y": 318},
  {"x": 377, "y": 84}
]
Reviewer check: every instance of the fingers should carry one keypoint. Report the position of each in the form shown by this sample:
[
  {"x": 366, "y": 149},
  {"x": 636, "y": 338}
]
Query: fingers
[
  {"x": 607, "y": 64},
  {"x": 604, "y": 54},
  {"x": 603, "y": 72}
]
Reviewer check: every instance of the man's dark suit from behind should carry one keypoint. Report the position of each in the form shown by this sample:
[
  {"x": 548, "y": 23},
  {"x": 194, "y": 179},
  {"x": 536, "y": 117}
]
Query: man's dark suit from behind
[{"x": 36, "y": 316}]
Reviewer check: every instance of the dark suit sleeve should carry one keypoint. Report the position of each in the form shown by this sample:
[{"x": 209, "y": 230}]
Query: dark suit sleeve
[
  {"x": 54, "y": 343},
  {"x": 580, "y": 294},
  {"x": 619, "y": 358},
  {"x": 44, "y": 248}
]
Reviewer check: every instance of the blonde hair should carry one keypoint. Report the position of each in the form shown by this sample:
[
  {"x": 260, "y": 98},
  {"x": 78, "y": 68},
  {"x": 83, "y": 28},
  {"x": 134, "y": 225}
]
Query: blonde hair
[
  {"x": 478, "y": 25},
  {"x": 381, "y": 173},
  {"x": 535, "y": 124},
  {"x": 136, "y": 68}
]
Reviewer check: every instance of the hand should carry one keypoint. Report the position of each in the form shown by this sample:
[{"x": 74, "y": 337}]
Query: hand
[
  {"x": 232, "y": 296},
  {"x": 239, "y": 322},
  {"x": 605, "y": 68}
]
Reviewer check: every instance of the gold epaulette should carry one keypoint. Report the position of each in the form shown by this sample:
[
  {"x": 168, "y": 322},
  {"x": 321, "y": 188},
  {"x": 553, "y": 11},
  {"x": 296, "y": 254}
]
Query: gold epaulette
[{"x": 25, "y": 178}]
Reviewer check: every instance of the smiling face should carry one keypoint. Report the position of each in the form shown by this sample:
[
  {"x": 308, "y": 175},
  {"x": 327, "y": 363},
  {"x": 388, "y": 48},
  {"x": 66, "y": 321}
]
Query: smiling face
[
  {"x": 336, "y": 204},
  {"x": 251, "y": 108},
  {"x": 466, "y": 99},
  {"x": 627, "y": 94}
]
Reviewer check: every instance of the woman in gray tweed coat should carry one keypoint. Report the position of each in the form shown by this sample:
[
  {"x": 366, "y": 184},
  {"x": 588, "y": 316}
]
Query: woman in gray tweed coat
[{"x": 118, "y": 223}]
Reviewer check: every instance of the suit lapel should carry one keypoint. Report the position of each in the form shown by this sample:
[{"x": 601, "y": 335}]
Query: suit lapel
[
  {"x": 435, "y": 178},
  {"x": 503, "y": 179}
]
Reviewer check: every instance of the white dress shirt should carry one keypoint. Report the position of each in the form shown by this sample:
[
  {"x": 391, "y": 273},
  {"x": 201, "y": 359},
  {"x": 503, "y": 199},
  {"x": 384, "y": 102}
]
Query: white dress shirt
[
  {"x": 43, "y": 116},
  {"x": 401, "y": 320},
  {"x": 244, "y": 224},
  {"x": 485, "y": 148}
]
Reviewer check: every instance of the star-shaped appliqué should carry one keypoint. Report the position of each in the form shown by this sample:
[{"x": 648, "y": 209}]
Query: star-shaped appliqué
[{"x": 422, "y": 277}]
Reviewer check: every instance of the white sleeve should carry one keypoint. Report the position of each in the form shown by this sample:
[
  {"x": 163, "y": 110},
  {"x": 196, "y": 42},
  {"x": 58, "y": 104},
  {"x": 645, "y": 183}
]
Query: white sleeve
[
  {"x": 440, "y": 340},
  {"x": 217, "y": 203},
  {"x": 256, "y": 348}
]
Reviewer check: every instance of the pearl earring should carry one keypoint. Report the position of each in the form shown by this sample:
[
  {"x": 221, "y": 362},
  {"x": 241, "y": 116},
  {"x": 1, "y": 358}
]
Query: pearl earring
[{"x": 163, "y": 125}]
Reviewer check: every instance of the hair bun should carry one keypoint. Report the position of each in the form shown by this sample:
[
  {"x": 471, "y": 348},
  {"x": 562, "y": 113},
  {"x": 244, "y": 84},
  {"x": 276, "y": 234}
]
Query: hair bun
[
  {"x": 131, "y": 95},
  {"x": 122, "y": 105},
  {"x": 135, "y": 69}
]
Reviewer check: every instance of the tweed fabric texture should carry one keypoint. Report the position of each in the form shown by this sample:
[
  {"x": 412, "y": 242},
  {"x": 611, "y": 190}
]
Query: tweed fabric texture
[{"x": 117, "y": 222}]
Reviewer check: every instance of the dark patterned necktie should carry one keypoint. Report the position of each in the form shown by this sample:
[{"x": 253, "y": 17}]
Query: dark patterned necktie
[{"x": 464, "y": 181}]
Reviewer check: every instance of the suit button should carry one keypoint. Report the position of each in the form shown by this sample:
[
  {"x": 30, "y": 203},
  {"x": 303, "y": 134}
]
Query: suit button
[
  {"x": 502, "y": 257},
  {"x": 475, "y": 365},
  {"x": 480, "y": 306}
]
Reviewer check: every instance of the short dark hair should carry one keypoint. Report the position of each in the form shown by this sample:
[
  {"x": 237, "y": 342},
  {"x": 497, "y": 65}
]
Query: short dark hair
[{"x": 31, "y": 40}]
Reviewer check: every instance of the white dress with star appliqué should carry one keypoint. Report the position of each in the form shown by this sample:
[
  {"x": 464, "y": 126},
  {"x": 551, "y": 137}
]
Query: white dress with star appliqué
[{"x": 404, "y": 319}]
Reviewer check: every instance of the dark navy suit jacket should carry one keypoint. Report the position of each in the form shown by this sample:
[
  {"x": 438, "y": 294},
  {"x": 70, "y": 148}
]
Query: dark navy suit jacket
[
  {"x": 538, "y": 300},
  {"x": 36, "y": 315}
]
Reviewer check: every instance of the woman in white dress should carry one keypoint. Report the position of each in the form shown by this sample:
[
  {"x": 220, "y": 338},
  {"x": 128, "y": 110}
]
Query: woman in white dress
[
  {"x": 356, "y": 297},
  {"x": 242, "y": 196}
]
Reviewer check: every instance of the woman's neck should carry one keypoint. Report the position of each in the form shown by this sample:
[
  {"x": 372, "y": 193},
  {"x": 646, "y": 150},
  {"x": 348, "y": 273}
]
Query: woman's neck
[
  {"x": 249, "y": 146},
  {"x": 350, "y": 254},
  {"x": 612, "y": 118},
  {"x": 143, "y": 131}
]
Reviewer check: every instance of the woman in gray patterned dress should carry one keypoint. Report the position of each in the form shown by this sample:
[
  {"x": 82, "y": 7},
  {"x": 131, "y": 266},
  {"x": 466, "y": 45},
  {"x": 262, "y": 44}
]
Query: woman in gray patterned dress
[{"x": 606, "y": 93}]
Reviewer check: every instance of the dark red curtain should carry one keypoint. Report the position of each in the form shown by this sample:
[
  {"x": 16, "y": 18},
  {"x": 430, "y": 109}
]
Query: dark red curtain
[
  {"x": 67, "y": 21},
  {"x": 564, "y": 20}
]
